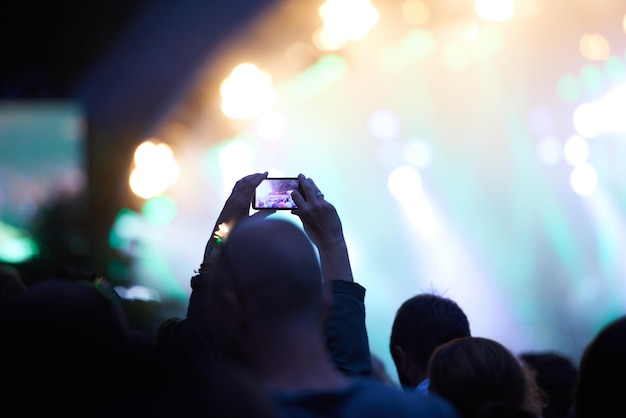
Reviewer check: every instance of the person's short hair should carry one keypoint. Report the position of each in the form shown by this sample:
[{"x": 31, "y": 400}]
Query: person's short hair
[
  {"x": 481, "y": 377},
  {"x": 274, "y": 263},
  {"x": 600, "y": 386},
  {"x": 424, "y": 322},
  {"x": 556, "y": 376}
]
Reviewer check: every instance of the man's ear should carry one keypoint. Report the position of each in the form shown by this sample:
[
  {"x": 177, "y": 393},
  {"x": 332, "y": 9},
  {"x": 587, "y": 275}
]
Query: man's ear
[
  {"x": 405, "y": 367},
  {"x": 399, "y": 357}
]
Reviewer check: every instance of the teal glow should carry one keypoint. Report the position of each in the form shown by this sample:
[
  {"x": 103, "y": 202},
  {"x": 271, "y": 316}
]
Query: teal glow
[
  {"x": 325, "y": 72},
  {"x": 18, "y": 249},
  {"x": 591, "y": 78},
  {"x": 569, "y": 88},
  {"x": 159, "y": 210},
  {"x": 614, "y": 68},
  {"x": 419, "y": 43},
  {"x": 125, "y": 229}
]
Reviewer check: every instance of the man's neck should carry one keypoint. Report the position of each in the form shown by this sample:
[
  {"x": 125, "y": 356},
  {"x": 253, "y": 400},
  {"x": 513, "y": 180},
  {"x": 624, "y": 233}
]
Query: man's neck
[{"x": 296, "y": 363}]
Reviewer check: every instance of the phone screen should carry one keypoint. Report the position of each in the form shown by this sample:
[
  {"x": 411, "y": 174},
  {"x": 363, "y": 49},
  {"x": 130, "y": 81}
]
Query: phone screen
[{"x": 275, "y": 193}]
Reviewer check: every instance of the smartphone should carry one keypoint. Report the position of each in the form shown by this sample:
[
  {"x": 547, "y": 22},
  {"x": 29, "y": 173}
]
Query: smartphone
[{"x": 275, "y": 193}]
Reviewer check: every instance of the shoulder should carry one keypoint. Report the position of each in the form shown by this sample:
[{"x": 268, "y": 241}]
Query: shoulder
[
  {"x": 364, "y": 397},
  {"x": 374, "y": 398}
]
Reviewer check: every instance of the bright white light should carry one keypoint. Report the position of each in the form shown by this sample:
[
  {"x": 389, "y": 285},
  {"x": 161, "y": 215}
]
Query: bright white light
[
  {"x": 494, "y": 10},
  {"x": 384, "y": 124},
  {"x": 603, "y": 115},
  {"x": 417, "y": 152},
  {"x": 155, "y": 171},
  {"x": 348, "y": 19},
  {"x": 548, "y": 150},
  {"x": 137, "y": 293},
  {"x": 584, "y": 179},
  {"x": 247, "y": 93},
  {"x": 612, "y": 106},
  {"x": 576, "y": 150},
  {"x": 405, "y": 184},
  {"x": 587, "y": 120},
  {"x": 324, "y": 41},
  {"x": 271, "y": 126}
]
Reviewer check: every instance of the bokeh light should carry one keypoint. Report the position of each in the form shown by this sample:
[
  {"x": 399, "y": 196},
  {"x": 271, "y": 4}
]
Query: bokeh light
[
  {"x": 594, "y": 47},
  {"x": 576, "y": 150},
  {"x": 271, "y": 126},
  {"x": 384, "y": 124},
  {"x": 405, "y": 184},
  {"x": 584, "y": 179},
  {"x": 348, "y": 20},
  {"x": 155, "y": 171},
  {"x": 247, "y": 93},
  {"x": 494, "y": 10},
  {"x": 159, "y": 210},
  {"x": 415, "y": 12},
  {"x": 418, "y": 153},
  {"x": 549, "y": 150}
]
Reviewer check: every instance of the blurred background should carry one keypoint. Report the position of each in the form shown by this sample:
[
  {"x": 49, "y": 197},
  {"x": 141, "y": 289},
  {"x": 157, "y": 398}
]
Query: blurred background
[{"x": 473, "y": 148}]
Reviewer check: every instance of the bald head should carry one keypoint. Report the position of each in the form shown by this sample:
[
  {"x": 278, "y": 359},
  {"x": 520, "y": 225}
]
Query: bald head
[{"x": 272, "y": 267}]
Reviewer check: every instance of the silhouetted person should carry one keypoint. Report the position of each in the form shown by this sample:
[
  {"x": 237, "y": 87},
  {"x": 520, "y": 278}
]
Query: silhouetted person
[
  {"x": 259, "y": 304},
  {"x": 601, "y": 386},
  {"x": 422, "y": 323},
  {"x": 556, "y": 376},
  {"x": 483, "y": 379}
]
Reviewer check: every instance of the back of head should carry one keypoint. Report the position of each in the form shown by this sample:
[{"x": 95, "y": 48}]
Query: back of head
[
  {"x": 601, "y": 385},
  {"x": 421, "y": 324},
  {"x": 60, "y": 339},
  {"x": 556, "y": 376},
  {"x": 479, "y": 375},
  {"x": 272, "y": 268}
]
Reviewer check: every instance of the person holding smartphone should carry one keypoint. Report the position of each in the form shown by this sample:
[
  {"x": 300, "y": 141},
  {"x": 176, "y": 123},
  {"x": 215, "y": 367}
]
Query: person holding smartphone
[{"x": 261, "y": 297}]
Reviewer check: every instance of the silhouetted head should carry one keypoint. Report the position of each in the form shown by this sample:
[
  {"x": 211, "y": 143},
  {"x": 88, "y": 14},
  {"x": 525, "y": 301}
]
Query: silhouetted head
[
  {"x": 556, "y": 377},
  {"x": 601, "y": 385},
  {"x": 266, "y": 279},
  {"x": 422, "y": 323},
  {"x": 480, "y": 376}
]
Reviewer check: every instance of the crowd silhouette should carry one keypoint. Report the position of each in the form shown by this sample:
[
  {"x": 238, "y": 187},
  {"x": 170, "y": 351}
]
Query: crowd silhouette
[{"x": 275, "y": 327}]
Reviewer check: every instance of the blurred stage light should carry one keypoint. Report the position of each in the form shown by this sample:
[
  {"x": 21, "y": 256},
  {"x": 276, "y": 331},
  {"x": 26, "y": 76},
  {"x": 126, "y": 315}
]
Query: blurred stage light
[
  {"x": 418, "y": 153},
  {"x": 604, "y": 115},
  {"x": 405, "y": 184},
  {"x": 15, "y": 246},
  {"x": 568, "y": 88},
  {"x": 247, "y": 93},
  {"x": 576, "y": 150},
  {"x": 348, "y": 20},
  {"x": 138, "y": 293},
  {"x": 415, "y": 12},
  {"x": 594, "y": 47},
  {"x": 155, "y": 171},
  {"x": 548, "y": 150},
  {"x": 126, "y": 229},
  {"x": 271, "y": 126},
  {"x": 494, "y": 10},
  {"x": 591, "y": 78},
  {"x": 384, "y": 124},
  {"x": 584, "y": 179},
  {"x": 159, "y": 210}
]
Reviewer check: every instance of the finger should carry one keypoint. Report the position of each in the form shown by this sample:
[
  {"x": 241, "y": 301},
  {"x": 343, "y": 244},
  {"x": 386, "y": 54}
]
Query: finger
[
  {"x": 308, "y": 187},
  {"x": 249, "y": 182}
]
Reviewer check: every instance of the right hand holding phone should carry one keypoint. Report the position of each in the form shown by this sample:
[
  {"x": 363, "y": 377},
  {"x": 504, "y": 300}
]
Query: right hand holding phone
[{"x": 319, "y": 217}]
